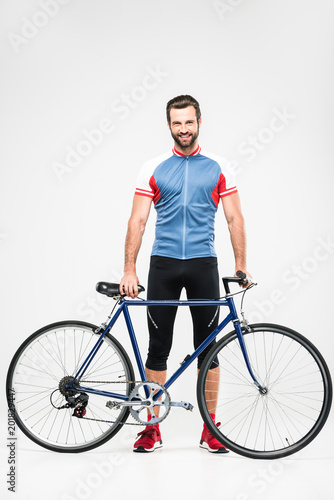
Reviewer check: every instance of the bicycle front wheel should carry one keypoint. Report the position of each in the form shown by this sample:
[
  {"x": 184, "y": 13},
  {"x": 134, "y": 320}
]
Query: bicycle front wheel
[
  {"x": 298, "y": 394},
  {"x": 36, "y": 382}
]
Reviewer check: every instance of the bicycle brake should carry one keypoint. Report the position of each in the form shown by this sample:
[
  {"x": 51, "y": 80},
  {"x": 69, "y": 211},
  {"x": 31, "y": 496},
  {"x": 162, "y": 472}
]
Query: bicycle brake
[{"x": 244, "y": 323}]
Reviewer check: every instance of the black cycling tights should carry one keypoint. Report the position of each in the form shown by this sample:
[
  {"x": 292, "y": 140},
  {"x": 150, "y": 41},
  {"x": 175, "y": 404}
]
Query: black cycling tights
[{"x": 166, "y": 279}]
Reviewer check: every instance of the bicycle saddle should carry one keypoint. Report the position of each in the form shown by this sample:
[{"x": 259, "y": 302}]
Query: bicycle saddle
[{"x": 112, "y": 289}]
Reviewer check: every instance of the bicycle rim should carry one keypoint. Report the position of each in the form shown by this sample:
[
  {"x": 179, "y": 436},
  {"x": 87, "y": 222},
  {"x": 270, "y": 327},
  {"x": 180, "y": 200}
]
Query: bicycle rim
[
  {"x": 295, "y": 406},
  {"x": 43, "y": 360}
]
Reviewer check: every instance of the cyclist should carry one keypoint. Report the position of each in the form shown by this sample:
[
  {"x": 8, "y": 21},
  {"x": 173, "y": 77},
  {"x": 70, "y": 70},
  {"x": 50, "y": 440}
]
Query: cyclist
[{"x": 185, "y": 186}]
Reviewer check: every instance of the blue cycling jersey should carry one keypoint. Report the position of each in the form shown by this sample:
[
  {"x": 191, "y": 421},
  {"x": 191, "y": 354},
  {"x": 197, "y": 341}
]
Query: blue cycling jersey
[{"x": 186, "y": 192}]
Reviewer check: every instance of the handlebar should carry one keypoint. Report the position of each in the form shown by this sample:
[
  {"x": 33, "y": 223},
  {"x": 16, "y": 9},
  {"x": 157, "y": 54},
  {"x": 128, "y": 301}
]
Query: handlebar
[
  {"x": 112, "y": 289},
  {"x": 241, "y": 278}
]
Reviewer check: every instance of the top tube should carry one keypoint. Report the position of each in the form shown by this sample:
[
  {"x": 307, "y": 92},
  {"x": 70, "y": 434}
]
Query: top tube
[{"x": 192, "y": 302}]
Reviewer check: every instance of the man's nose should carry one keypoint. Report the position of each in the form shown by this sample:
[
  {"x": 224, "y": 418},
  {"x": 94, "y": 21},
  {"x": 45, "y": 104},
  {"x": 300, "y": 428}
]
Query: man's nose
[{"x": 183, "y": 128}]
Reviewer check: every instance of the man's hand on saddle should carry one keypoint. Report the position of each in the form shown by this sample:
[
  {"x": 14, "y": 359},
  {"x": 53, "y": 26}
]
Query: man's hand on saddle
[{"x": 129, "y": 285}]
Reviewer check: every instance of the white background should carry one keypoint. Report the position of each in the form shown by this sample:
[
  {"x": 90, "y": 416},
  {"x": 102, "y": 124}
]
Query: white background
[{"x": 67, "y": 67}]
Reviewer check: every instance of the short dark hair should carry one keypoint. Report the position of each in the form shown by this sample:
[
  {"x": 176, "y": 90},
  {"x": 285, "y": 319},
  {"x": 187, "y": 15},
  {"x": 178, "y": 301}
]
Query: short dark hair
[{"x": 183, "y": 101}]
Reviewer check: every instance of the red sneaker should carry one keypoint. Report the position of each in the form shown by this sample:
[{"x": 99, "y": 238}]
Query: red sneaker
[
  {"x": 149, "y": 440},
  {"x": 210, "y": 443}
]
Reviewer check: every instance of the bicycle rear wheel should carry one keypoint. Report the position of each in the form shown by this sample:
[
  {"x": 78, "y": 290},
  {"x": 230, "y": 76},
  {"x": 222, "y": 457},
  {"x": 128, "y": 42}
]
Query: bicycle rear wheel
[
  {"x": 293, "y": 410},
  {"x": 45, "y": 360}
]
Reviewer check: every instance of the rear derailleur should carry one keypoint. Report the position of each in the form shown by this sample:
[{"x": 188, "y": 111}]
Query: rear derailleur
[
  {"x": 74, "y": 399},
  {"x": 79, "y": 404}
]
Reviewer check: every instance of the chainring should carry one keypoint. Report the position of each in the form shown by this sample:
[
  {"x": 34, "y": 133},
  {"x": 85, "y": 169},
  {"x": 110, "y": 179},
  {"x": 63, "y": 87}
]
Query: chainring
[{"x": 146, "y": 402}]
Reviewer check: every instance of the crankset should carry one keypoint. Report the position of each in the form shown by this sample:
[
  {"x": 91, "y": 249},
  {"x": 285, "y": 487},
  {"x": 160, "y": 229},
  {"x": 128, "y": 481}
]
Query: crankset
[{"x": 141, "y": 398}]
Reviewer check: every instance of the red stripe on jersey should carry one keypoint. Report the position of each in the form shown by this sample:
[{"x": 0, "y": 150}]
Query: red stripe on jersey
[
  {"x": 219, "y": 188},
  {"x": 144, "y": 192},
  {"x": 229, "y": 191},
  {"x": 155, "y": 189},
  {"x": 177, "y": 153}
]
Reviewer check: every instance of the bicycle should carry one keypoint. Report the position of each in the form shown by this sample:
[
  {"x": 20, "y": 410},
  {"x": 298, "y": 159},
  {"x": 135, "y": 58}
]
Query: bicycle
[{"x": 274, "y": 396}]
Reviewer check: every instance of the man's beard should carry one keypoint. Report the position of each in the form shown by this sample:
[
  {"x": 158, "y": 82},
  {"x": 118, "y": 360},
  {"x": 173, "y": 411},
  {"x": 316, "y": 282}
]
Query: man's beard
[{"x": 185, "y": 145}]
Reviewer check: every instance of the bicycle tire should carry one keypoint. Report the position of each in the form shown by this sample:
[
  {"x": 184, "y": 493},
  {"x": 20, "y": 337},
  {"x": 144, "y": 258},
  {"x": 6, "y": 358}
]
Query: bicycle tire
[
  {"x": 44, "y": 358},
  {"x": 298, "y": 399}
]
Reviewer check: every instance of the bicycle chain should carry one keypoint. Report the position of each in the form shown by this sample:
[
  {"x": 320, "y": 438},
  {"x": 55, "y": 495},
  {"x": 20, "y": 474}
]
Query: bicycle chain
[
  {"x": 111, "y": 382},
  {"x": 110, "y": 422}
]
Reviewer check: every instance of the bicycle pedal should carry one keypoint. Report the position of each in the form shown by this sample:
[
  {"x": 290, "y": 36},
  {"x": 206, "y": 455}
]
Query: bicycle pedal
[
  {"x": 183, "y": 404},
  {"x": 113, "y": 405}
]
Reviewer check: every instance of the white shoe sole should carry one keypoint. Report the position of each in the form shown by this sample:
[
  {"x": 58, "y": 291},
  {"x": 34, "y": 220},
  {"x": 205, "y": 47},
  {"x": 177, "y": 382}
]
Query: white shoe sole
[
  {"x": 141, "y": 449},
  {"x": 205, "y": 446}
]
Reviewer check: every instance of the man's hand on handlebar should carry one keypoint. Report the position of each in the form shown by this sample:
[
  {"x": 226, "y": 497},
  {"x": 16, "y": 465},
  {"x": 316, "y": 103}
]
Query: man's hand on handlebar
[{"x": 245, "y": 277}]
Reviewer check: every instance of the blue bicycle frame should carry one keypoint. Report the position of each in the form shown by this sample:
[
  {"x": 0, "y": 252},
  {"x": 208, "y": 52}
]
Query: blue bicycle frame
[{"x": 124, "y": 308}]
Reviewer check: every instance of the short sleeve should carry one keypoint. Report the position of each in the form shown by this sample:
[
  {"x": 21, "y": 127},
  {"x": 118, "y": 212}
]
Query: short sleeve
[
  {"x": 226, "y": 185},
  {"x": 146, "y": 185},
  {"x": 227, "y": 182},
  {"x": 143, "y": 187}
]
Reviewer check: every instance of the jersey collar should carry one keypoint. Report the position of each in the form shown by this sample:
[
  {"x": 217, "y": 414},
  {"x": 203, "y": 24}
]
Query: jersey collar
[{"x": 194, "y": 153}]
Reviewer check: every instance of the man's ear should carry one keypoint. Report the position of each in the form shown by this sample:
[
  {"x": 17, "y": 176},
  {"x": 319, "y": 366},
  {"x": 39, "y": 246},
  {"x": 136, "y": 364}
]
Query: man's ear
[
  {"x": 199, "y": 122},
  {"x": 168, "y": 125}
]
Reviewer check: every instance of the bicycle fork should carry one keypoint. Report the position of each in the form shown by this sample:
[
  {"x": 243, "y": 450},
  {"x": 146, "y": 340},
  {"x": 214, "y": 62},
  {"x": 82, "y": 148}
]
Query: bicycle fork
[{"x": 238, "y": 330}]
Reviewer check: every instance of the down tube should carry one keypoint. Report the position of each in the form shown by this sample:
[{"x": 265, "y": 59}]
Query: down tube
[{"x": 198, "y": 351}]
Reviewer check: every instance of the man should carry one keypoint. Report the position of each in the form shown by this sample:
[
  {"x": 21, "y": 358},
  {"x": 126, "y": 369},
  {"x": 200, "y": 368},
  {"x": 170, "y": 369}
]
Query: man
[{"x": 185, "y": 187}]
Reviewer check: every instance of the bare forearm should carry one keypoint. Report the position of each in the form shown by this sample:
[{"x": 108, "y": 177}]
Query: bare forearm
[
  {"x": 136, "y": 227},
  {"x": 238, "y": 240},
  {"x": 133, "y": 242}
]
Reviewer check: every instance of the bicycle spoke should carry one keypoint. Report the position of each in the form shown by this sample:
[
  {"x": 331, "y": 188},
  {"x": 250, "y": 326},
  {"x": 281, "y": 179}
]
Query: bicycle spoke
[
  {"x": 37, "y": 380},
  {"x": 243, "y": 377},
  {"x": 287, "y": 415}
]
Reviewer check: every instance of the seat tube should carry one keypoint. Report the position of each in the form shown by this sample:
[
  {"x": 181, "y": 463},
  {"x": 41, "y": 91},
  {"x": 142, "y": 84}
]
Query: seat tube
[{"x": 134, "y": 342}]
